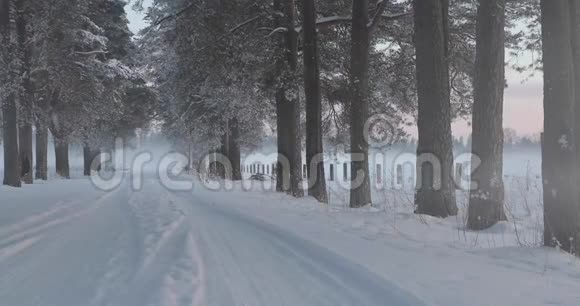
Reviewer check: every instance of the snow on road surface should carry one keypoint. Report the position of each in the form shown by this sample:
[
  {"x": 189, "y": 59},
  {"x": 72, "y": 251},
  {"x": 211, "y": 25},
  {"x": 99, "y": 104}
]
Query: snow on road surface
[{"x": 66, "y": 243}]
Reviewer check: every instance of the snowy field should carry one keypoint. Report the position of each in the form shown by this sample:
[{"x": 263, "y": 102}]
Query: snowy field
[
  {"x": 65, "y": 243},
  {"x": 393, "y": 197}
]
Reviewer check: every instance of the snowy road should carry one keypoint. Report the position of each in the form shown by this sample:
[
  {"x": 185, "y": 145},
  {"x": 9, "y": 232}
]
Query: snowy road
[{"x": 68, "y": 244}]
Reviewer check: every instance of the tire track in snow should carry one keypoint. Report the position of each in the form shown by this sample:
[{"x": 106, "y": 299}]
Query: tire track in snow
[
  {"x": 59, "y": 208},
  {"x": 32, "y": 229},
  {"x": 254, "y": 262},
  {"x": 18, "y": 247},
  {"x": 158, "y": 220},
  {"x": 168, "y": 270},
  {"x": 44, "y": 260},
  {"x": 200, "y": 286},
  {"x": 121, "y": 266},
  {"x": 185, "y": 282}
]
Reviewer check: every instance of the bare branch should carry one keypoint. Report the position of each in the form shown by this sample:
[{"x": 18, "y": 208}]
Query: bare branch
[{"x": 243, "y": 24}]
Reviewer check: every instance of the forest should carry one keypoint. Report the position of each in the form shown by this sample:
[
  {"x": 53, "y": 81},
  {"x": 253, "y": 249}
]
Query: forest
[
  {"x": 217, "y": 76},
  {"x": 336, "y": 104}
]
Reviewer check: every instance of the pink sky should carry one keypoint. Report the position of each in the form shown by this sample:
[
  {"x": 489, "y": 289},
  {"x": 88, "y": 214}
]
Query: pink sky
[{"x": 523, "y": 108}]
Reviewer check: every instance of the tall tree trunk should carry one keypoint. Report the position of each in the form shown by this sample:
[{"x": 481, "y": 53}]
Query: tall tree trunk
[
  {"x": 295, "y": 148},
  {"x": 289, "y": 101},
  {"x": 436, "y": 193},
  {"x": 25, "y": 98},
  {"x": 225, "y": 151},
  {"x": 293, "y": 101},
  {"x": 26, "y": 157},
  {"x": 9, "y": 110},
  {"x": 314, "y": 146},
  {"x": 282, "y": 174},
  {"x": 10, "y": 129},
  {"x": 61, "y": 155},
  {"x": 561, "y": 211},
  {"x": 41, "y": 153},
  {"x": 486, "y": 203},
  {"x": 575, "y": 34},
  {"x": 234, "y": 149},
  {"x": 97, "y": 162},
  {"x": 360, "y": 194},
  {"x": 87, "y": 160}
]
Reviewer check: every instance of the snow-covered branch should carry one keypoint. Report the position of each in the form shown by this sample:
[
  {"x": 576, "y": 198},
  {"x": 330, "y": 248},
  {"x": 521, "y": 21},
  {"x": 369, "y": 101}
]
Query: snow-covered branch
[
  {"x": 333, "y": 20},
  {"x": 278, "y": 30},
  {"x": 175, "y": 15},
  {"x": 89, "y": 53}
]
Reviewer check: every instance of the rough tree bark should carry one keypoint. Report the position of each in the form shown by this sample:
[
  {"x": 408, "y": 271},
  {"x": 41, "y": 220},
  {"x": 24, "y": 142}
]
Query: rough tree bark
[
  {"x": 62, "y": 160},
  {"x": 231, "y": 150},
  {"x": 314, "y": 146},
  {"x": 25, "y": 97},
  {"x": 26, "y": 156},
  {"x": 41, "y": 152},
  {"x": 10, "y": 129},
  {"x": 486, "y": 203},
  {"x": 9, "y": 109},
  {"x": 89, "y": 156},
  {"x": 292, "y": 96},
  {"x": 288, "y": 99},
  {"x": 282, "y": 174},
  {"x": 86, "y": 160},
  {"x": 436, "y": 194},
  {"x": 234, "y": 153},
  {"x": 282, "y": 177},
  {"x": 561, "y": 211},
  {"x": 97, "y": 160},
  {"x": 224, "y": 150},
  {"x": 360, "y": 194},
  {"x": 575, "y": 34}
]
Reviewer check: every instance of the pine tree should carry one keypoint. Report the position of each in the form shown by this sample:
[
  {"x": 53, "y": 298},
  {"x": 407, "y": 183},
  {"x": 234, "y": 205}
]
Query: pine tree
[
  {"x": 575, "y": 34},
  {"x": 561, "y": 207},
  {"x": 436, "y": 194},
  {"x": 288, "y": 102},
  {"x": 8, "y": 92},
  {"x": 25, "y": 95},
  {"x": 361, "y": 38},
  {"x": 487, "y": 201},
  {"x": 314, "y": 145}
]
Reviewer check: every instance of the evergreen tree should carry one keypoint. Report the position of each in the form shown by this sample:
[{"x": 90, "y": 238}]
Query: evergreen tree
[
  {"x": 436, "y": 194},
  {"x": 487, "y": 201}
]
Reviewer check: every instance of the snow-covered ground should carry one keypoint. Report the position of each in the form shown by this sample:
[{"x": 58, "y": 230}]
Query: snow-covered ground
[
  {"x": 65, "y": 243},
  {"x": 436, "y": 260}
]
